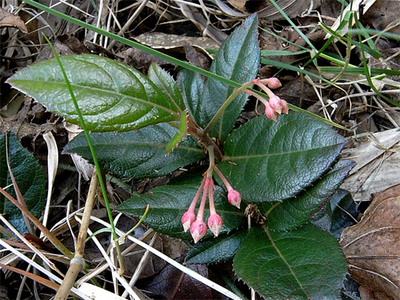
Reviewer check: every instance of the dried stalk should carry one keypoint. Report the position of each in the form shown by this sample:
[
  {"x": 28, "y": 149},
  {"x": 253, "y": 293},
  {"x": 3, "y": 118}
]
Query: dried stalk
[{"x": 77, "y": 263}]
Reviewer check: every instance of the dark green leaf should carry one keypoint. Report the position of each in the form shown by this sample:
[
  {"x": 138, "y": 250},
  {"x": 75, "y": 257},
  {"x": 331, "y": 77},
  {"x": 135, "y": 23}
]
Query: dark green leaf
[
  {"x": 238, "y": 60},
  {"x": 213, "y": 250},
  {"x": 294, "y": 212},
  {"x": 110, "y": 94},
  {"x": 167, "y": 85},
  {"x": 339, "y": 213},
  {"x": 191, "y": 86},
  {"x": 273, "y": 161},
  {"x": 301, "y": 264},
  {"x": 138, "y": 154},
  {"x": 30, "y": 180},
  {"x": 169, "y": 203}
]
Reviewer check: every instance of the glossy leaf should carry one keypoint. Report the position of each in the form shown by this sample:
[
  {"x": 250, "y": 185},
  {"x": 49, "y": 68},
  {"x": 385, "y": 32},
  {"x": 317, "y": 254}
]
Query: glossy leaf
[
  {"x": 213, "y": 250},
  {"x": 110, "y": 94},
  {"x": 29, "y": 177},
  {"x": 138, "y": 154},
  {"x": 273, "y": 161},
  {"x": 168, "y": 204},
  {"x": 306, "y": 263},
  {"x": 167, "y": 85},
  {"x": 237, "y": 59},
  {"x": 293, "y": 213}
]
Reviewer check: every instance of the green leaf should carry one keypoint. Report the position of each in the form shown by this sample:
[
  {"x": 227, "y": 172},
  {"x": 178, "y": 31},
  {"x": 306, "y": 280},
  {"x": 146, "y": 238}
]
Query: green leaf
[
  {"x": 191, "y": 86},
  {"x": 138, "y": 154},
  {"x": 167, "y": 85},
  {"x": 301, "y": 264},
  {"x": 294, "y": 212},
  {"x": 110, "y": 94},
  {"x": 339, "y": 213},
  {"x": 273, "y": 161},
  {"x": 238, "y": 60},
  {"x": 213, "y": 250},
  {"x": 179, "y": 135},
  {"x": 169, "y": 203},
  {"x": 30, "y": 180}
]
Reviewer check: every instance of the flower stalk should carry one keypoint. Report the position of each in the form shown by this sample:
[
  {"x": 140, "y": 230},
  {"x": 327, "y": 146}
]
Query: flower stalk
[{"x": 274, "y": 107}]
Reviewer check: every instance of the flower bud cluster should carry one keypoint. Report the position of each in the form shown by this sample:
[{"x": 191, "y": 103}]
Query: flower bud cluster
[
  {"x": 275, "y": 106},
  {"x": 196, "y": 224}
]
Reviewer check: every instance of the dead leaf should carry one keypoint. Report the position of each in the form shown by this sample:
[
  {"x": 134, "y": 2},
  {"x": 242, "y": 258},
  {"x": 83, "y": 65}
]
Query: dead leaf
[
  {"x": 172, "y": 284},
  {"x": 377, "y": 164},
  {"x": 372, "y": 247},
  {"x": 353, "y": 6},
  {"x": 10, "y": 20},
  {"x": 383, "y": 14},
  {"x": 159, "y": 40},
  {"x": 265, "y": 9},
  {"x": 238, "y": 4},
  {"x": 201, "y": 23}
]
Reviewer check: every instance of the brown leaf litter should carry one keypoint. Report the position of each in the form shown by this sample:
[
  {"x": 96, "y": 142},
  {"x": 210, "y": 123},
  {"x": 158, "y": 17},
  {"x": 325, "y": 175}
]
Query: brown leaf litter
[{"x": 372, "y": 247}]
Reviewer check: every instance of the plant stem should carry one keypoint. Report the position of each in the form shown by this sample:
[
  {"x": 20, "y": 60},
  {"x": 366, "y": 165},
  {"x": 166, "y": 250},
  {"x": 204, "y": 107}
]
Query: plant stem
[
  {"x": 228, "y": 101},
  {"x": 78, "y": 262},
  {"x": 200, "y": 213},
  {"x": 211, "y": 161},
  {"x": 194, "y": 130}
]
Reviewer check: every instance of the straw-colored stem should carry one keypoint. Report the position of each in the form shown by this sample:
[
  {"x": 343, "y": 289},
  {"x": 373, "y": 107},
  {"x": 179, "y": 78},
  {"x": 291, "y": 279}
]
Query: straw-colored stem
[
  {"x": 78, "y": 262},
  {"x": 228, "y": 101}
]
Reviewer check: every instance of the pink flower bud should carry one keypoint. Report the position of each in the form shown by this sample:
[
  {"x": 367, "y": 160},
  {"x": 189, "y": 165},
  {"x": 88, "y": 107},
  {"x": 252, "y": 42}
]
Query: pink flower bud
[
  {"x": 234, "y": 198},
  {"x": 187, "y": 219},
  {"x": 215, "y": 223},
  {"x": 274, "y": 83},
  {"x": 198, "y": 229},
  {"x": 285, "y": 107},
  {"x": 275, "y": 103},
  {"x": 270, "y": 112}
]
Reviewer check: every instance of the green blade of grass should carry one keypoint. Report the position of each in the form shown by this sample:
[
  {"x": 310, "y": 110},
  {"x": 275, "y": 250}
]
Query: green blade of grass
[
  {"x": 303, "y": 36},
  {"x": 172, "y": 59},
  {"x": 368, "y": 74},
  {"x": 376, "y": 54},
  {"x": 360, "y": 70},
  {"x": 328, "y": 42},
  {"x": 132, "y": 43},
  {"x": 281, "y": 52}
]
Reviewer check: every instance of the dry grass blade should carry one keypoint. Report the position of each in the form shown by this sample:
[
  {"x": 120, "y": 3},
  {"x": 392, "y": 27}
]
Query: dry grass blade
[
  {"x": 29, "y": 245},
  {"x": 77, "y": 262},
  {"x": 32, "y": 276},
  {"x": 38, "y": 224},
  {"x": 39, "y": 267},
  {"x": 141, "y": 265},
  {"x": 20, "y": 198},
  {"x": 174, "y": 263},
  {"x": 52, "y": 165}
]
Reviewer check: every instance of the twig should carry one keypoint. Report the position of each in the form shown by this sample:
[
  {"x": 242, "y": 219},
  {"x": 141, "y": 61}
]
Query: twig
[{"x": 78, "y": 262}]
